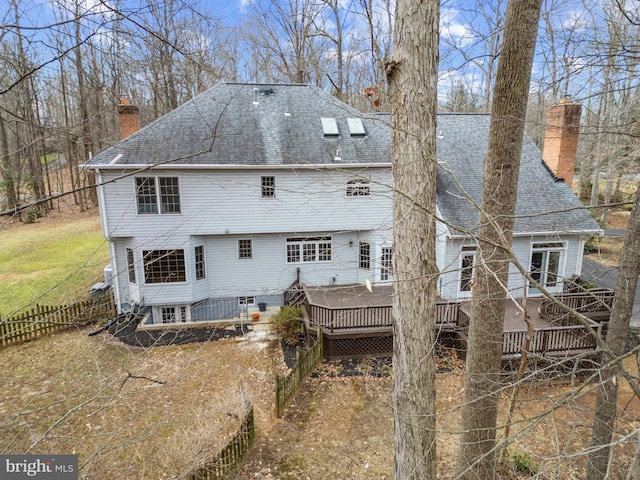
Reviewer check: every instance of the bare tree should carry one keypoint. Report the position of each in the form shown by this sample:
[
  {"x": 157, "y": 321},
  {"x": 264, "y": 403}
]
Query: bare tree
[
  {"x": 501, "y": 170},
  {"x": 412, "y": 74},
  {"x": 617, "y": 331},
  {"x": 285, "y": 39}
]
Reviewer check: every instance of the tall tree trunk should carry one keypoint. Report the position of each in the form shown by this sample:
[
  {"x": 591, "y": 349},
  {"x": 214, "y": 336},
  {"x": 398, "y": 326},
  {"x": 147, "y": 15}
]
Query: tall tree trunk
[
  {"x": 6, "y": 167},
  {"x": 617, "y": 332},
  {"x": 502, "y": 165},
  {"x": 83, "y": 104},
  {"x": 412, "y": 76}
]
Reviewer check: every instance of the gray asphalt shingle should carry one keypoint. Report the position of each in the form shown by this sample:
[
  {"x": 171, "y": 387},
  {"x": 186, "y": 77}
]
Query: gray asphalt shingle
[{"x": 245, "y": 124}]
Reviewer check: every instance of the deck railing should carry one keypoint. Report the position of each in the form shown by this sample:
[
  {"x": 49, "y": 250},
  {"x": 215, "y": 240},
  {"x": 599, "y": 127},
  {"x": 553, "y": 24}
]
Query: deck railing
[
  {"x": 334, "y": 320},
  {"x": 554, "y": 339},
  {"x": 595, "y": 302}
]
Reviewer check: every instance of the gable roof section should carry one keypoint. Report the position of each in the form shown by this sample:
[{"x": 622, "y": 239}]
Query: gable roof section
[
  {"x": 544, "y": 205},
  {"x": 252, "y": 125}
]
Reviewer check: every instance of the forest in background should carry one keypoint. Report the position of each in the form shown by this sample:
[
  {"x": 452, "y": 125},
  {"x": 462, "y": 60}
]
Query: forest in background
[{"x": 65, "y": 65}]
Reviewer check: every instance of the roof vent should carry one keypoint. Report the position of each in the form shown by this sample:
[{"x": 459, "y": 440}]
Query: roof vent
[{"x": 267, "y": 91}]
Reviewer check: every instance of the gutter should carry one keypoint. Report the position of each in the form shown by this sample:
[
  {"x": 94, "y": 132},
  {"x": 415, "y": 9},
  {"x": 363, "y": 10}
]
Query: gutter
[{"x": 172, "y": 166}]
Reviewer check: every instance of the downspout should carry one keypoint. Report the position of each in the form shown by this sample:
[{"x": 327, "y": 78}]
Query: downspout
[{"x": 105, "y": 233}]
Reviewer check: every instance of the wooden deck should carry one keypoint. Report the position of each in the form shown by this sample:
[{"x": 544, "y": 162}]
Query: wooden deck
[
  {"x": 354, "y": 310},
  {"x": 354, "y": 313}
]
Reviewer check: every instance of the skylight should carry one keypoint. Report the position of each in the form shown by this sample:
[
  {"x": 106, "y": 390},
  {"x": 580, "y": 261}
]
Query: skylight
[
  {"x": 329, "y": 127},
  {"x": 356, "y": 127}
]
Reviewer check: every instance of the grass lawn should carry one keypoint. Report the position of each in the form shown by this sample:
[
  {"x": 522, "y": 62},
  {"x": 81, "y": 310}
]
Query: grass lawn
[{"x": 54, "y": 261}]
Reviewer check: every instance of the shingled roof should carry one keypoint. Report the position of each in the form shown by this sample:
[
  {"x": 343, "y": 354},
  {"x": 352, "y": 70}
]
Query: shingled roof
[
  {"x": 249, "y": 124},
  {"x": 280, "y": 125},
  {"x": 544, "y": 205}
]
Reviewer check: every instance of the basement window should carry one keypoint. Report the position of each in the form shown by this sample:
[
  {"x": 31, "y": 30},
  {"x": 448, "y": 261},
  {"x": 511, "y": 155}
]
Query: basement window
[{"x": 174, "y": 314}]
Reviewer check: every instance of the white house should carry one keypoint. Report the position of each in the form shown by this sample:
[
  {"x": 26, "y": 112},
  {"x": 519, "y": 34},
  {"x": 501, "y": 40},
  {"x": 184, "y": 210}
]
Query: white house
[{"x": 226, "y": 201}]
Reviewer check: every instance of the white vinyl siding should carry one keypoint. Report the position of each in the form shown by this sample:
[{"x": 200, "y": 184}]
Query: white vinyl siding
[{"x": 225, "y": 202}]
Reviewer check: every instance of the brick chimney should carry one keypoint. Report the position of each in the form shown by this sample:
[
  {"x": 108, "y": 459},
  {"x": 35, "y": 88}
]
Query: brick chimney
[
  {"x": 129, "y": 118},
  {"x": 561, "y": 139}
]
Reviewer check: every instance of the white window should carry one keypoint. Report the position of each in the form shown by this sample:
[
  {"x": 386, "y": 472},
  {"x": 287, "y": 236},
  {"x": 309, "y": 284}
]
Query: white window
[
  {"x": 306, "y": 250},
  {"x": 174, "y": 314},
  {"x": 246, "y": 301},
  {"x": 546, "y": 265},
  {"x": 131, "y": 266},
  {"x": 157, "y": 195},
  {"x": 200, "y": 262},
  {"x": 358, "y": 188},
  {"x": 386, "y": 264},
  {"x": 268, "y": 187},
  {"x": 164, "y": 266},
  {"x": 245, "y": 249},
  {"x": 364, "y": 261},
  {"x": 467, "y": 268}
]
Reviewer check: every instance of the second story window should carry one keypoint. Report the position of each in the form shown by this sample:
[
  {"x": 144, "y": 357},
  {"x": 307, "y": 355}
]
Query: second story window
[
  {"x": 245, "y": 249},
  {"x": 268, "y": 187},
  {"x": 157, "y": 195},
  {"x": 358, "y": 188}
]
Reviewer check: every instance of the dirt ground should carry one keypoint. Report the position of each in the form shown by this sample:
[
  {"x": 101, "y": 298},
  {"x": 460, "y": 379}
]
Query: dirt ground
[
  {"x": 341, "y": 428},
  {"x": 130, "y": 413},
  {"x": 133, "y": 413}
]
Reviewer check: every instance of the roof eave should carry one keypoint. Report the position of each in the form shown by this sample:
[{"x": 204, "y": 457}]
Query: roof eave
[{"x": 171, "y": 166}]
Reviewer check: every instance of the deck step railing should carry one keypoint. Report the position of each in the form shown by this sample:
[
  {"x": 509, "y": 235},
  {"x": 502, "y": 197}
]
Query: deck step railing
[
  {"x": 552, "y": 340},
  {"x": 595, "y": 303}
]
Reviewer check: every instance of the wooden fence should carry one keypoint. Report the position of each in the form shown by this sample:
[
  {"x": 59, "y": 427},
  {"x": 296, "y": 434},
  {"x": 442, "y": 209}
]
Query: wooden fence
[
  {"x": 231, "y": 455},
  {"x": 44, "y": 320},
  {"x": 306, "y": 362}
]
